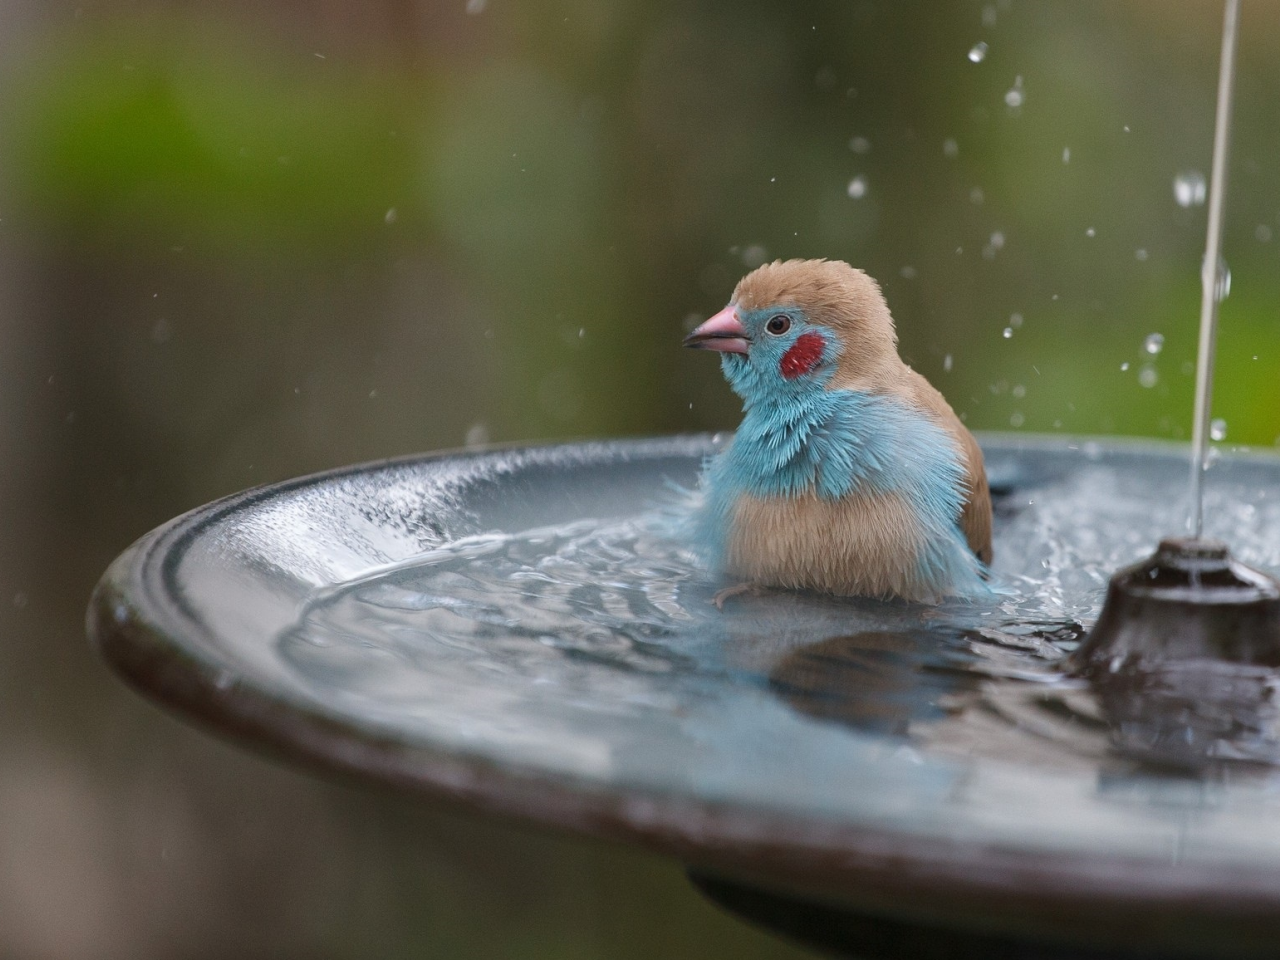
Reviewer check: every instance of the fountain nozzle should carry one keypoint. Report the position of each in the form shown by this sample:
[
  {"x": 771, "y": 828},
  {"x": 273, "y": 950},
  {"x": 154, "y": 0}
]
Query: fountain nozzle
[
  {"x": 1183, "y": 657},
  {"x": 1188, "y": 601}
]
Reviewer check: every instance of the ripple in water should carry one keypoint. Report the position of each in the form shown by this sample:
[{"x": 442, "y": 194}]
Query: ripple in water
[{"x": 531, "y": 638}]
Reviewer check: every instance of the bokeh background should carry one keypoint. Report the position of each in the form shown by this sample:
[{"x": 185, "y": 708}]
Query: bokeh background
[{"x": 241, "y": 241}]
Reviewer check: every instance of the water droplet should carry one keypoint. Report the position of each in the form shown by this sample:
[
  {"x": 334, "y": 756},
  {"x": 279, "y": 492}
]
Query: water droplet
[
  {"x": 1015, "y": 320},
  {"x": 476, "y": 6},
  {"x": 1140, "y": 254},
  {"x": 477, "y": 435},
  {"x": 1066, "y": 154},
  {"x": 1019, "y": 391},
  {"x": 978, "y": 52},
  {"x": 1263, "y": 233},
  {"x": 1147, "y": 376},
  {"x": 950, "y": 148},
  {"x": 1017, "y": 420},
  {"x": 1091, "y": 232},
  {"x": 1124, "y": 366},
  {"x": 1008, "y": 332},
  {"x": 858, "y": 187},
  {"x": 391, "y": 216},
  {"x": 1154, "y": 343},
  {"x": 976, "y": 196},
  {"x": 946, "y": 363},
  {"x": 860, "y": 145},
  {"x": 1218, "y": 429},
  {"x": 908, "y": 272},
  {"x": 1189, "y": 188},
  {"x": 754, "y": 255},
  {"x": 1222, "y": 288},
  {"x": 989, "y": 16},
  {"x": 997, "y": 240},
  {"x": 1015, "y": 97}
]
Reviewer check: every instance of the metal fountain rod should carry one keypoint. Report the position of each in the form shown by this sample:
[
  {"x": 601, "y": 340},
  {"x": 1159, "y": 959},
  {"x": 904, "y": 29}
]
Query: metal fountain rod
[{"x": 1210, "y": 271}]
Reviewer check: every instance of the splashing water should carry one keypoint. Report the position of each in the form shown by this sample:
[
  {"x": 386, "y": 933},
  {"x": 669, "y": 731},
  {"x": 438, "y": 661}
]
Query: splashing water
[{"x": 612, "y": 620}]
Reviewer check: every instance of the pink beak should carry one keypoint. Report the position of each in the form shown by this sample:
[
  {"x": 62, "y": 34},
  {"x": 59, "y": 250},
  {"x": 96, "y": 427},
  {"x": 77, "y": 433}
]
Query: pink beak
[{"x": 723, "y": 333}]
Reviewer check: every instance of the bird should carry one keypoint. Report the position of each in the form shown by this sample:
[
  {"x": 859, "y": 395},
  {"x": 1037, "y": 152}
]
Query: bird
[{"x": 849, "y": 474}]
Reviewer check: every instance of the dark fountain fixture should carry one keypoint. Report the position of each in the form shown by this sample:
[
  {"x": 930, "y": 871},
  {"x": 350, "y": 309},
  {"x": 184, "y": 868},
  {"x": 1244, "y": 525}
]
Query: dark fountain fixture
[{"x": 520, "y": 631}]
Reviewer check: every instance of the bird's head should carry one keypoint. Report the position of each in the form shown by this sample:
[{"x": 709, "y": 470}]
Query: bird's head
[{"x": 800, "y": 325}]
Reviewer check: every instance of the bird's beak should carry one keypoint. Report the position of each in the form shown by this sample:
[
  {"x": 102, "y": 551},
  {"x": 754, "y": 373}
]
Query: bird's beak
[{"x": 723, "y": 333}]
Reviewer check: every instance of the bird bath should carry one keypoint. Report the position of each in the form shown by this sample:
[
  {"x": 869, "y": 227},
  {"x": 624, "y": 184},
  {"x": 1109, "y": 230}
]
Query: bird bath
[{"x": 521, "y": 632}]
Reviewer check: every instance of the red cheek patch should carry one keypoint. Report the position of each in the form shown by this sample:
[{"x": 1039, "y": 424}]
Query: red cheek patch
[{"x": 803, "y": 355}]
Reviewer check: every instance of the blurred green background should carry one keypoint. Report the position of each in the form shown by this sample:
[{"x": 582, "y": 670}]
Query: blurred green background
[{"x": 245, "y": 241}]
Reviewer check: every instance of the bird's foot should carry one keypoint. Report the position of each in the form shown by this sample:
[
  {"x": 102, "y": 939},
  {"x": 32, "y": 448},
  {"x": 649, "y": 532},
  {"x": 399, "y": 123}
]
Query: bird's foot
[{"x": 736, "y": 590}]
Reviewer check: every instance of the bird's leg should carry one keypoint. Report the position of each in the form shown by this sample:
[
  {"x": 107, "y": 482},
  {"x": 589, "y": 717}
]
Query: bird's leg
[{"x": 736, "y": 590}]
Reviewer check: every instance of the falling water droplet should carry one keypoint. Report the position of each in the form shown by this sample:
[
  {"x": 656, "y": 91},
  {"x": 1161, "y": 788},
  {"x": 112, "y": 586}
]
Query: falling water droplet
[
  {"x": 1263, "y": 233},
  {"x": 1017, "y": 420},
  {"x": 860, "y": 145},
  {"x": 1147, "y": 376},
  {"x": 1222, "y": 289},
  {"x": 997, "y": 240},
  {"x": 1015, "y": 320},
  {"x": 1091, "y": 232},
  {"x": 989, "y": 16},
  {"x": 391, "y": 216},
  {"x": 1154, "y": 343},
  {"x": 946, "y": 363},
  {"x": 1140, "y": 254},
  {"x": 950, "y": 148},
  {"x": 1066, "y": 154},
  {"x": 1008, "y": 332},
  {"x": 1015, "y": 96},
  {"x": 1189, "y": 188},
  {"x": 1218, "y": 429},
  {"x": 978, "y": 52},
  {"x": 858, "y": 187},
  {"x": 1124, "y": 366}
]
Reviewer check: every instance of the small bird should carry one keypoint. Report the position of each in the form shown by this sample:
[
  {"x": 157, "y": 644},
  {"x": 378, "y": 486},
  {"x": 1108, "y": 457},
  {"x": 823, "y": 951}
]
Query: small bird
[{"x": 850, "y": 474}]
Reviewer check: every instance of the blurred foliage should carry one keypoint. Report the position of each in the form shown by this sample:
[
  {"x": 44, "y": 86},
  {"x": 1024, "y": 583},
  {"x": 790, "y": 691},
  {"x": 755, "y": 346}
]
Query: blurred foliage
[{"x": 594, "y": 176}]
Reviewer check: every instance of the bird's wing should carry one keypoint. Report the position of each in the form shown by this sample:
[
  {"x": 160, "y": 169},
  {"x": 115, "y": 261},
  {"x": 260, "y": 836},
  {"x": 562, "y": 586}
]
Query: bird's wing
[{"x": 975, "y": 517}]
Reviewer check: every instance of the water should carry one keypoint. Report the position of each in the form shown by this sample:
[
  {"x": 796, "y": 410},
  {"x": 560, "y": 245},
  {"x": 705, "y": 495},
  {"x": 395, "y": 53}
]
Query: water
[
  {"x": 540, "y": 640},
  {"x": 1214, "y": 282},
  {"x": 978, "y": 52},
  {"x": 1189, "y": 188}
]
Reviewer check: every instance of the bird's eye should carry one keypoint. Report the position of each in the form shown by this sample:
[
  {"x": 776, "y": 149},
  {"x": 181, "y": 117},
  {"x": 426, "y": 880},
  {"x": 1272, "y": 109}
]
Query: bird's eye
[{"x": 778, "y": 325}]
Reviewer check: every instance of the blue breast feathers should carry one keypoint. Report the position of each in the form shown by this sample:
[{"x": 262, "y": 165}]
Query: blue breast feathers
[{"x": 836, "y": 442}]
